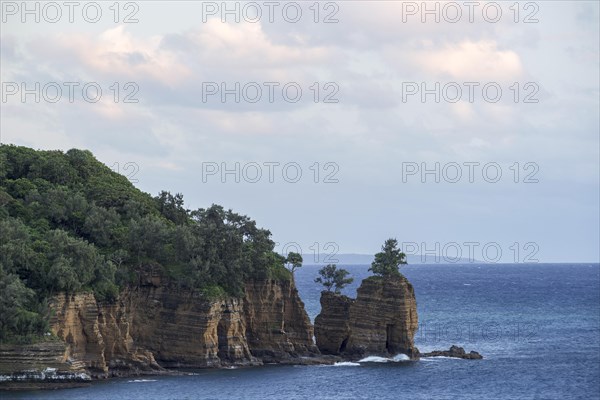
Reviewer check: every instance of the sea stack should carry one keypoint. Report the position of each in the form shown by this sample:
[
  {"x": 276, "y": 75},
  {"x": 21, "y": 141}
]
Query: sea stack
[{"x": 382, "y": 320}]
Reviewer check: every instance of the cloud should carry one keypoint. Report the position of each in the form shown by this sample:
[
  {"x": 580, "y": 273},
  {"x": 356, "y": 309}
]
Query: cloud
[
  {"x": 114, "y": 53},
  {"x": 471, "y": 61},
  {"x": 369, "y": 133},
  {"x": 231, "y": 44}
]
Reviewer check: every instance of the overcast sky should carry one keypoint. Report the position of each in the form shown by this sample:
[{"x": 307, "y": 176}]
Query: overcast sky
[{"x": 372, "y": 129}]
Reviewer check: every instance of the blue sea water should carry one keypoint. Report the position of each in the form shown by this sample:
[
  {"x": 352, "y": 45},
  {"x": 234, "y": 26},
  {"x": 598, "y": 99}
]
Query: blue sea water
[{"x": 538, "y": 327}]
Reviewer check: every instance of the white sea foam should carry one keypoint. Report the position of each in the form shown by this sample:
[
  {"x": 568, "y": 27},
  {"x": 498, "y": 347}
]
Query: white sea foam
[
  {"x": 425, "y": 348},
  {"x": 439, "y": 358},
  {"x": 346, "y": 364},
  {"x": 142, "y": 380},
  {"x": 377, "y": 359}
]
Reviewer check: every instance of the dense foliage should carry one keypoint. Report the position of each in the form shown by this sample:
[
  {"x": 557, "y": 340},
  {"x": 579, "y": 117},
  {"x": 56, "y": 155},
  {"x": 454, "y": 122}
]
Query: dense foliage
[
  {"x": 69, "y": 224},
  {"x": 388, "y": 261}
]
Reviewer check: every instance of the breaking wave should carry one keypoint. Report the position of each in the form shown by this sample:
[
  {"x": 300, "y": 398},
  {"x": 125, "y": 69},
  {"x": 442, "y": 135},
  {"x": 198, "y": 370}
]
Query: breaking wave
[
  {"x": 346, "y": 364},
  {"x": 377, "y": 359}
]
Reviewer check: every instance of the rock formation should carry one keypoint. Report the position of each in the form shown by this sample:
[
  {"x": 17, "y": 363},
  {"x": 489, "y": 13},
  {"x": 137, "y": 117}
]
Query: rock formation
[
  {"x": 98, "y": 336},
  {"x": 332, "y": 325},
  {"x": 26, "y": 366},
  {"x": 455, "y": 352},
  {"x": 154, "y": 326},
  {"x": 277, "y": 324},
  {"x": 381, "y": 321}
]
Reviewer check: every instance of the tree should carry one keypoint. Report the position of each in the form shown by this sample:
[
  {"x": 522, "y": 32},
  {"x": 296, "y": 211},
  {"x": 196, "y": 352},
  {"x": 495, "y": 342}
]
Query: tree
[
  {"x": 73, "y": 260},
  {"x": 294, "y": 260},
  {"x": 327, "y": 276},
  {"x": 100, "y": 225},
  {"x": 172, "y": 208},
  {"x": 62, "y": 276},
  {"x": 332, "y": 277},
  {"x": 19, "y": 315},
  {"x": 388, "y": 261},
  {"x": 68, "y": 223}
]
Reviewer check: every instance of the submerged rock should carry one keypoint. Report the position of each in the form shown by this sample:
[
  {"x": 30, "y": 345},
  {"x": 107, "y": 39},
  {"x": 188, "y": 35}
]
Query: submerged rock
[{"x": 455, "y": 352}]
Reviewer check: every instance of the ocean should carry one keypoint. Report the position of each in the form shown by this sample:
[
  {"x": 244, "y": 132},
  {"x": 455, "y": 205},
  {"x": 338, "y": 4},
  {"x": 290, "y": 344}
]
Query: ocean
[{"x": 537, "y": 326}]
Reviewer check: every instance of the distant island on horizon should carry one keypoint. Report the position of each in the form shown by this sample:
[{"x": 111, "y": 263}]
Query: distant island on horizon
[{"x": 366, "y": 259}]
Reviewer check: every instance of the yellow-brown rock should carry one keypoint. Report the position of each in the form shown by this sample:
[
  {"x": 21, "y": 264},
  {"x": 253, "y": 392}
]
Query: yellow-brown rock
[
  {"x": 183, "y": 329},
  {"x": 98, "y": 335},
  {"x": 381, "y": 321},
  {"x": 155, "y": 325},
  {"x": 277, "y": 324},
  {"x": 332, "y": 325},
  {"x": 38, "y": 356},
  {"x": 39, "y": 365}
]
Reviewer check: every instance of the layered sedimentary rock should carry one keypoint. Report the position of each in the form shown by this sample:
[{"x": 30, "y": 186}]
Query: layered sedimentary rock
[
  {"x": 21, "y": 366},
  {"x": 156, "y": 326},
  {"x": 277, "y": 324},
  {"x": 332, "y": 325},
  {"x": 98, "y": 336},
  {"x": 381, "y": 321},
  {"x": 183, "y": 329}
]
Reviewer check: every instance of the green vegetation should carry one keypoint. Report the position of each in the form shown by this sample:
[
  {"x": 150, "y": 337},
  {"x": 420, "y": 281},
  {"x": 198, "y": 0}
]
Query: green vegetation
[
  {"x": 334, "y": 278},
  {"x": 388, "y": 261},
  {"x": 70, "y": 224},
  {"x": 294, "y": 261}
]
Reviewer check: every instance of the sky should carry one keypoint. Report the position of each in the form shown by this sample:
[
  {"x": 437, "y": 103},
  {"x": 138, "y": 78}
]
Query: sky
[{"x": 463, "y": 129}]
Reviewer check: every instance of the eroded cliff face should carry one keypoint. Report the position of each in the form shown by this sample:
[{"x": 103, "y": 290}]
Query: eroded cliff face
[
  {"x": 155, "y": 326},
  {"x": 98, "y": 336},
  {"x": 22, "y": 366},
  {"x": 278, "y": 326},
  {"x": 182, "y": 329},
  {"x": 381, "y": 321},
  {"x": 332, "y": 325}
]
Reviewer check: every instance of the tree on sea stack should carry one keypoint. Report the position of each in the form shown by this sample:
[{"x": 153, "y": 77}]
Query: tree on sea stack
[
  {"x": 332, "y": 277},
  {"x": 294, "y": 261},
  {"x": 388, "y": 261}
]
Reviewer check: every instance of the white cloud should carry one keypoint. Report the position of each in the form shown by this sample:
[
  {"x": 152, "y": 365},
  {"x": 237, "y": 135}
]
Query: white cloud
[
  {"x": 115, "y": 52},
  {"x": 368, "y": 133},
  {"x": 471, "y": 61}
]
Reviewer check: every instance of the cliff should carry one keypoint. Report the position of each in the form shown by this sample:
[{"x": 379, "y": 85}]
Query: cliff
[
  {"x": 332, "y": 325},
  {"x": 181, "y": 329},
  {"x": 22, "y": 366},
  {"x": 98, "y": 336},
  {"x": 381, "y": 321},
  {"x": 155, "y": 326},
  {"x": 278, "y": 327}
]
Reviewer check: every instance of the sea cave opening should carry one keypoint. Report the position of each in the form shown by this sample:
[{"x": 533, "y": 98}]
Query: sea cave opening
[
  {"x": 343, "y": 345},
  {"x": 389, "y": 331}
]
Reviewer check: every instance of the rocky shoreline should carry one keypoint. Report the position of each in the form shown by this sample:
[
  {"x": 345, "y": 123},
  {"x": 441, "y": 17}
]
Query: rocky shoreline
[
  {"x": 155, "y": 329},
  {"x": 50, "y": 379}
]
